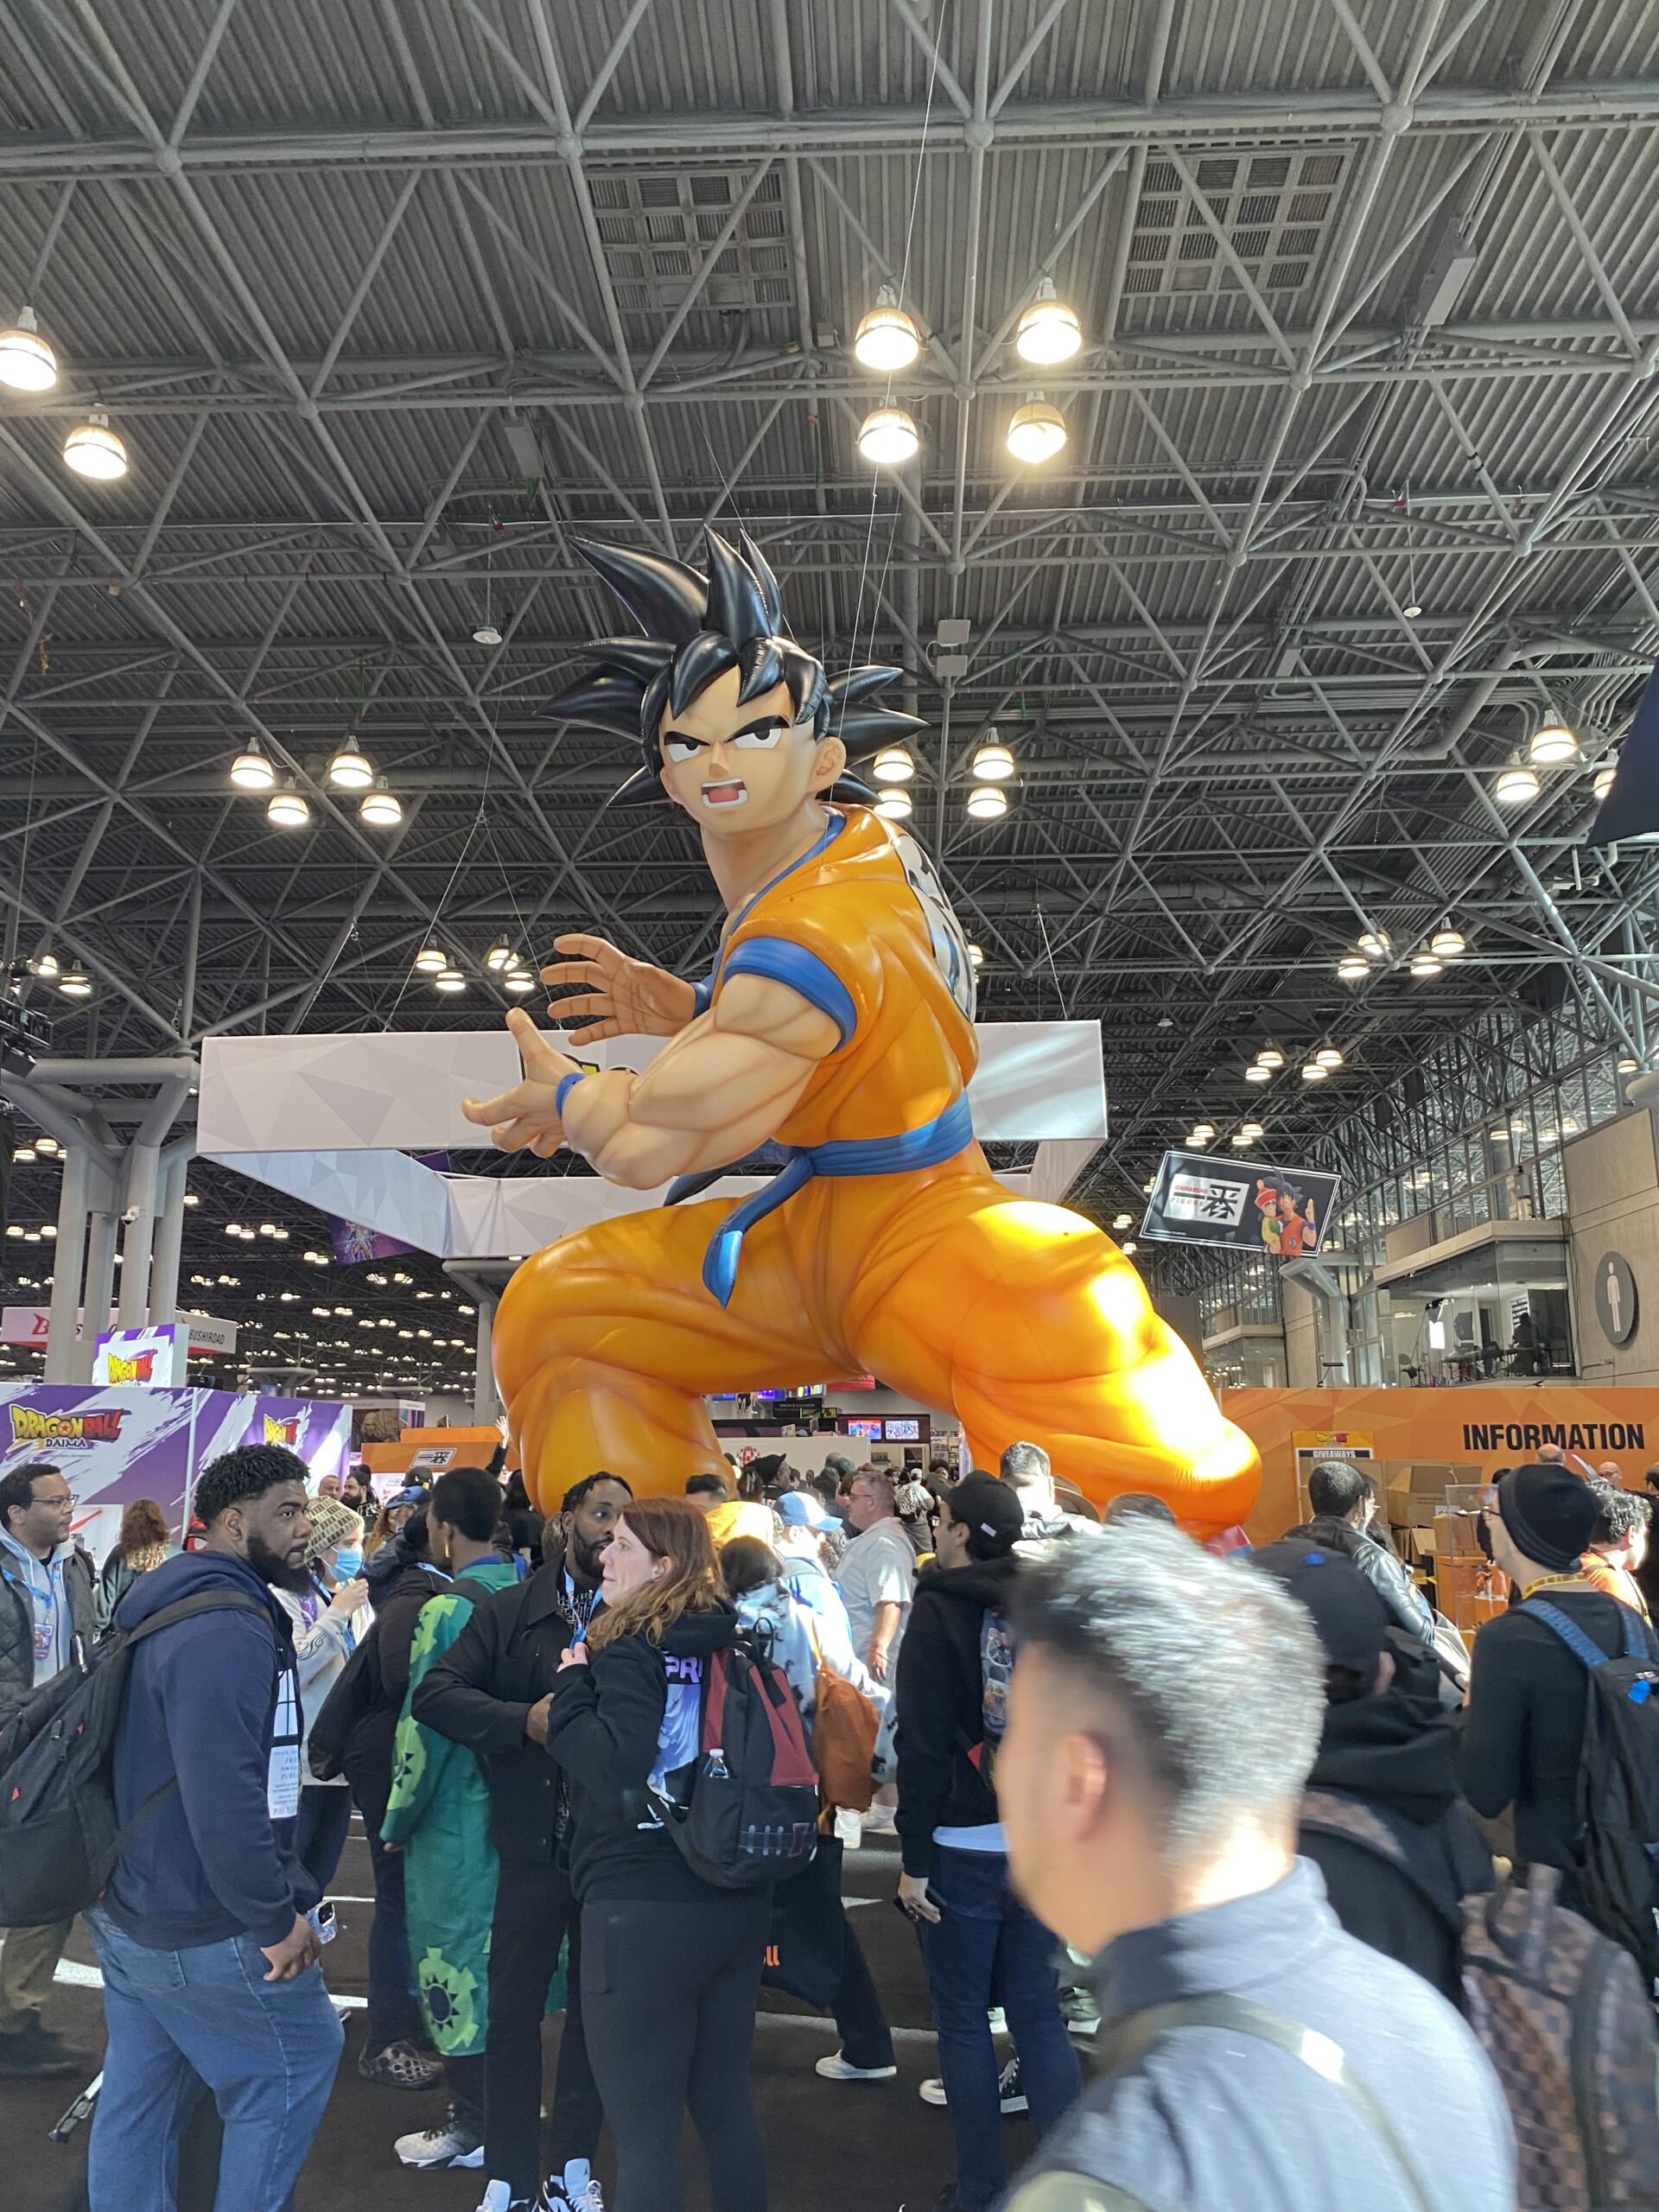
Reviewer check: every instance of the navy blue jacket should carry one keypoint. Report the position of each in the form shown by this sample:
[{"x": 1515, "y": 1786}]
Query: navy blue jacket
[
  {"x": 207, "y": 1863},
  {"x": 1222, "y": 2123}
]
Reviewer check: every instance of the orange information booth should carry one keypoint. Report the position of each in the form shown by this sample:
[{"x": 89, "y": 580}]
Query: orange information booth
[{"x": 1475, "y": 1426}]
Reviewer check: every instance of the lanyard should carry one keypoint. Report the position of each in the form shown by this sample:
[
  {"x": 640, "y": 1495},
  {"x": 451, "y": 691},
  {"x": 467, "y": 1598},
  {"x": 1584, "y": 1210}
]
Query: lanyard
[{"x": 1556, "y": 1582}]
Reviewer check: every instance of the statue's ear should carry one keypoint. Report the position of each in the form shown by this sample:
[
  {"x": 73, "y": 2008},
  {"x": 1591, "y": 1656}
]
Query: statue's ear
[{"x": 829, "y": 760}]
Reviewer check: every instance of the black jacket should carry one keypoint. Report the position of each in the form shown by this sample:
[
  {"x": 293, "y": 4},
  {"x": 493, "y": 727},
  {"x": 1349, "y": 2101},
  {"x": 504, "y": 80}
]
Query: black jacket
[
  {"x": 941, "y": 1704},
  {"x": 506, "y": 1660},
  {"x": 1393, "y": 1755},
  {"x": 1389, "y": 1577},
  {"x": 365, "y": 1759},
  {"x": 1524, "y": 1731},
  {"x": 611, "y": 1729},
  {"x": 17, "y": 1624}
]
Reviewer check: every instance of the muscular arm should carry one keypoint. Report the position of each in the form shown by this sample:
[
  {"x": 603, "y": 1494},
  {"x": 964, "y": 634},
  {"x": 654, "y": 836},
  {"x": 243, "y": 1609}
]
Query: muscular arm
[
  {"x": 715, "y": 1092},
  {"x": 712, "y": 1094}
]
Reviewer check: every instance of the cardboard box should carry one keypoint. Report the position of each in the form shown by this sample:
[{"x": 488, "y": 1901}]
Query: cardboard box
[{"x": 1415, "y": 1489}]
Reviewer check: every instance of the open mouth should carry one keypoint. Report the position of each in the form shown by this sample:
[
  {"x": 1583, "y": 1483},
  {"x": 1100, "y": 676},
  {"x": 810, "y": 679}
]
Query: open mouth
[{"x": 728, "y": 794}]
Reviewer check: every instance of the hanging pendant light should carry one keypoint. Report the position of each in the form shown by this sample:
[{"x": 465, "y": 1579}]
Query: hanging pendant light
[
  {"x": 501, "y": 955},
  {"x": 253, "y": 771},
  {"x": 1258, "y": 1074},
  {"x": 1328, "y": 1057},
  {"x": 1602, "y": 781},
  {"x": 988, "y": 802},
  {"x": 977, "y": 955},
  {"x": 1269, "y": 1057},
  {"x": 350, "y": 770},
  {"x": 46, "y": 967},
  {"x": 1515, "y": 787},
  {"x": 75, "y": 984},
  {"x": 486, "y": 634},
  {"x": 1353, "y": 968},
  {"x": 1049, "y": 331},
  {"x": 288, "y": 809},
  {"x": 1447, "y": 943},
  {"x": 1553, "y": 743},
  {"x": 430, "y": 960},
  {"x": 992, "y": 762},
  {"x": 518, "y": 980},
  {"x": 93, "y": 450},
  {"x": 1424, "y": 965},
  {"x": 381, "y": 807},
  {"x": 1312, "y": 1072},
  {"x": 1036, "y": 432},
  {"x": 449, "y": 979},
  {"x": 1376, "y": 945},
  {"x": 887, "y": 339},
  {"x": 888, "y": 438},
  {"x": 895, "y": 806},
  {"x": 27, "y": 362},
  {"x": 892, "y": 764}
]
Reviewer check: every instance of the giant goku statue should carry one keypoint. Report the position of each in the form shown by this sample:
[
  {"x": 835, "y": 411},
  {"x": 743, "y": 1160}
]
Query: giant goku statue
[{"x": 837, "y": 1020}]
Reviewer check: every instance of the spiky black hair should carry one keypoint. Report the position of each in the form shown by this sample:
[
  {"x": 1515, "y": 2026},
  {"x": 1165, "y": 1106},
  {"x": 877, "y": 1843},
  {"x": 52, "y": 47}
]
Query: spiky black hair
[{"x": 696, "y": 627}]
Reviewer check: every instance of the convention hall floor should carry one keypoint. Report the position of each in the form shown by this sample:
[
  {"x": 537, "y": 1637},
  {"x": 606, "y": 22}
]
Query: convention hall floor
[{"x": 866, "y": 2147}]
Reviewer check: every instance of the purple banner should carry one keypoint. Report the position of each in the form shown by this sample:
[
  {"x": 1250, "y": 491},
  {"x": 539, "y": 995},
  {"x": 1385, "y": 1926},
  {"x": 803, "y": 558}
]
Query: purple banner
[
  {"x": 118, "y": 1442},
  {"x": 354, "y": 1243}
]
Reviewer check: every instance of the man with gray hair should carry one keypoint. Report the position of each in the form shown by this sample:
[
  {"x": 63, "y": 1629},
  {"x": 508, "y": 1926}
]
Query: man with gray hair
[{"x": 1163, "y": 1716}]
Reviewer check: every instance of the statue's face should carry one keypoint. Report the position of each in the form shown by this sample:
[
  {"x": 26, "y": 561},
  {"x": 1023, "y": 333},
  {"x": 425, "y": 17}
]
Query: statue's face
[{"x": 736, "y": 770}]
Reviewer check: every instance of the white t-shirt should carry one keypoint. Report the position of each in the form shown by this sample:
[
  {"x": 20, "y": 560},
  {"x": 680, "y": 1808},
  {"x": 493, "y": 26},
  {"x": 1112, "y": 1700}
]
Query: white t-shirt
[{"x": 877, "y": 1568}]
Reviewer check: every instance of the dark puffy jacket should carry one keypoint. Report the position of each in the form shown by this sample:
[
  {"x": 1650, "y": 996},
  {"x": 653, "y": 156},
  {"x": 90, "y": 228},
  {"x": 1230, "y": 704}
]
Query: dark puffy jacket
[
  {"x": 17, "y": 1624},
  {"x": 941, "y": 1704},
  {"x": 1394, "y": 1755},
  {"x": 365, "y": 1759}
]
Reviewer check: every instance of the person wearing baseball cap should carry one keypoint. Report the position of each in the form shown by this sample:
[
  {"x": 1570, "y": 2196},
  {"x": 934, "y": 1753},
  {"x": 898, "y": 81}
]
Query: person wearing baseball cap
[
  {"x": 1529, "y": 1693},
  {"x": 1383, "y": 1819},
  {"x": 980, "y": 1945}
]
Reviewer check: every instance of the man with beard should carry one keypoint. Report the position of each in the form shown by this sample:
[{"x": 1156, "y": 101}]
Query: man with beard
[
  {"x": 491, "y": 1690},
  {"x": 209, "y": 1958}
]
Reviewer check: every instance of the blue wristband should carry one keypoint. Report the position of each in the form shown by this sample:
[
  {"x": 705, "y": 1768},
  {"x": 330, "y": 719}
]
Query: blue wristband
[{"x": 563, "y": 1090}]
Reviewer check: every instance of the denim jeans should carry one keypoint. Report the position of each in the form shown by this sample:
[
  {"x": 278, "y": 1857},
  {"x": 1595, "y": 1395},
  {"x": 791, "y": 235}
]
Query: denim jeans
[
  {"x": 178, "y": 2019},
  {"x": 394, "y": 2009},
  {"x": 987, "y": 1949}
]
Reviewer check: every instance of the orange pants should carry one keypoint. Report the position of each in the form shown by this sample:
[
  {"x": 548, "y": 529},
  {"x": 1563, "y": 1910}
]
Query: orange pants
[{"x": 1023, "y": 1320}]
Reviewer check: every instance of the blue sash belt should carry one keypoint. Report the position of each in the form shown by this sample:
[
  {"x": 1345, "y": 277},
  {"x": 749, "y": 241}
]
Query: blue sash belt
[{"x": 931, "y": 1146}]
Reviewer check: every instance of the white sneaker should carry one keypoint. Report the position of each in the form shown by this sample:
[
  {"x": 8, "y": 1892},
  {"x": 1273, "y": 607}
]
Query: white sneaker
[
  {"x": 838, "y": 2069},
  {"x": 451, "y": 2144},
  {"x": 574, "y": 2190},
  {"x": 1010, "y": 2096},
  {"x": 878, "y": 1821},
  {"x": 498, "y": 2197}
]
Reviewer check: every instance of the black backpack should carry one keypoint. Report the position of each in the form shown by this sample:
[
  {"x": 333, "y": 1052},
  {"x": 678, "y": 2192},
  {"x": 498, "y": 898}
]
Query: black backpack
[
  {"x": 60, "y": 1842},
  {"x": 1618, "y": 1783},
  {"x": 358, "y": 1692},
  {"x": 752, "y": 1813}
]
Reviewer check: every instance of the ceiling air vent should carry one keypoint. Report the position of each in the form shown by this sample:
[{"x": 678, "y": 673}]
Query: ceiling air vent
[
  {"x": 656, "y": 226},
  {"x": 1275, "y": 208}
]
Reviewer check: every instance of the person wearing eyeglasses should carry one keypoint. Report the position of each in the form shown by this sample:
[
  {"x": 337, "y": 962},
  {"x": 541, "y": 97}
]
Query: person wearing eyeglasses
[{"x": 48, "y": 1619}]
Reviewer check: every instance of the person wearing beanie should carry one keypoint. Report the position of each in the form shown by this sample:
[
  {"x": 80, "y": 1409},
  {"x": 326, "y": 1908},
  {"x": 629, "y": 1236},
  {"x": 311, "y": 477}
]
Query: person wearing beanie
[
  {"x": 980, "y": 1945},
  {"x": 1529, "y": 1693}
]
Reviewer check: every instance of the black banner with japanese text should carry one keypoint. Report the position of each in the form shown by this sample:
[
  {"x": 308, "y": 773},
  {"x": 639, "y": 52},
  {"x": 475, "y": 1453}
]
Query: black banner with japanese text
[{"x": 1241, "y": 1203}]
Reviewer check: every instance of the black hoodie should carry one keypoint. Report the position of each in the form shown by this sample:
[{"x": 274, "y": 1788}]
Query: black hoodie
[
  {"x": 1393, "y": 1754},
  {"x": 941, "y": 1704},
  {"x": 611, "y": 1728}
]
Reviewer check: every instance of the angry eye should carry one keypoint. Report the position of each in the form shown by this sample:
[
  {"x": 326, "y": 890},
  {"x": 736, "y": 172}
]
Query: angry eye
[
  {"x": 759, "y": 740},
  {"x": 681, "y": 748}
]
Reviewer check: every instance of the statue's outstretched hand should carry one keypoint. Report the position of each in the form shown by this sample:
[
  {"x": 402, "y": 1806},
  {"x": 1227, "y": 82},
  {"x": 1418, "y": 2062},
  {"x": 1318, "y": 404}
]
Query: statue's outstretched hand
[
  {"x": 527, "y": 1115},
  {"x": 621, "y": 997}
]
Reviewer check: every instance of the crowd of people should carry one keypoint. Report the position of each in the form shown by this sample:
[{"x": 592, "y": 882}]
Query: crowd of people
[{"x": 1218, "y": 1820}]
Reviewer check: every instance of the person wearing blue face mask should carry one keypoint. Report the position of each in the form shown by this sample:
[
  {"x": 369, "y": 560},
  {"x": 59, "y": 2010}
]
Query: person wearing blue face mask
[{"x": 323, "y": 1640}]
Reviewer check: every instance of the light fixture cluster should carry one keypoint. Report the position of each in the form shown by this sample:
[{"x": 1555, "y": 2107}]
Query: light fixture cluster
[
  {"x": 1553, "y": 743},
  {"x": 508, "y": 967},
  {"x": 993, "y": 768},
  {"x": 273, "y": 1229},
  {"x": 27, "y": 363},
  {"x": 73, "y": 982},
  {"x": 1375, "y": 946},
  {"x": 888, "y": 341},
  {"x": 286, "y": 806}
]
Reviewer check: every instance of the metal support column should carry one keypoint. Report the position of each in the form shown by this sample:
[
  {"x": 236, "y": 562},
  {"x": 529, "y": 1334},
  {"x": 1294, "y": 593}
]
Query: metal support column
[
  {"x": 142, "y": 1198},
  {"x": 487, "y": 1403},
  {"x": 68, "y": 1265},
  {"x": 100, "y": 1277},
  {"x": 170, "y": 1232}
]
